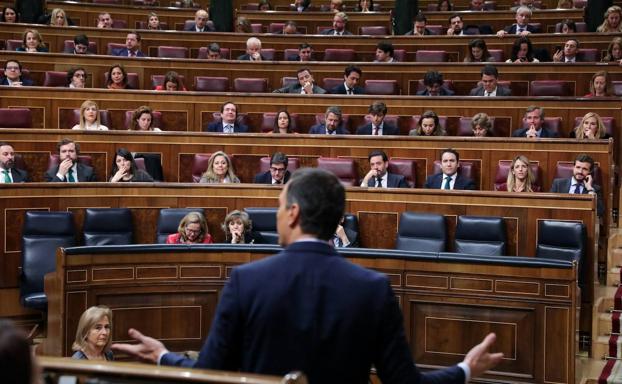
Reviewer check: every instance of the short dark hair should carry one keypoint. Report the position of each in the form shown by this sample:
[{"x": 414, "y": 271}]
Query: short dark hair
[
  {"x": 334, "y": 110},
  {"x": 15, "y": 354},
  {"x": 584, "y": 158},
  {"x": 450, "y": 150},
  {"x": 304, "y": 45},
  {"x": 213, "y": 47},
  {"x": 453, "y": 16},
  {"x": 321, "y": 199},
  {"x": 138, "y": 37},
  {"x": 352, "y": 68},
  {"x": 222, "y": 107},
  {"x": 575, "y": 40},
  {"x": 81, "y": 39},
  {"x": 433, "y": 77},
  {"x": 302, "y": 70},
  {"x": 290, "y": 23},
  {"x": 279, "y": 158},
  {"x": 421, "y": 17},
  {"x": 386, "y": 47},
  {"x": 127, "y": 155},
  {"x": 13, "y": 61},
  {"x": 377, "y": 152},
  {"x": 490, "y": 70},
  {"x": 72, "y": 71},
  {"x": 66, "y": 141},
  {"x": 377, "y": 108}
]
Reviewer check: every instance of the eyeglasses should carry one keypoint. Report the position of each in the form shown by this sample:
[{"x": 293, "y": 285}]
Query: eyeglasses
[
  {"x": 278, "y": 170},
  {"x": 79, "y": 75},
  {"x": 195, "y": 231},
  {"x": 12, "y": 68}
]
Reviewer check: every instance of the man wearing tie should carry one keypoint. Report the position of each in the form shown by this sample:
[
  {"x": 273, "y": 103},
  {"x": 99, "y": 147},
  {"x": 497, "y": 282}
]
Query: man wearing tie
[
  {"x": 351, "y": 77},
  {"x": 569, "y": 53},
  {"x": 449, "y": 177},
  {"x": 332, "y": 123},
  {"x": 521, "y": 27},
  {"x": 69, "y": 170},
  {"x": 132, "y": 46},
  {"x": 8, "y": 172},
  {"x": 378, "y": 176},
  {"x": 278, "y": 173},
  {"x": 339, "y": 25},
  {"x": 581, "y": 182},
  {"x": 377, "y": 126},
  {"x": 489, "y": 86},
  {"x": 228, "y": 122}
]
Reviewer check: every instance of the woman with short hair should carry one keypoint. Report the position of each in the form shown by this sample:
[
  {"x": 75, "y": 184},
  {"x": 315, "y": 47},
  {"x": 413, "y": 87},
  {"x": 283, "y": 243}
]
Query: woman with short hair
[{"x": 192, "y": 230}]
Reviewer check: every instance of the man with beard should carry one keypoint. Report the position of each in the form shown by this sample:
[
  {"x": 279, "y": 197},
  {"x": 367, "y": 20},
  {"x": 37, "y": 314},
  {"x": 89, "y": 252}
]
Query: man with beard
[
  {"x": 581, "y": 182},
  {"x": 8, "y": 172},
  {"x": 69, "y": 170}
]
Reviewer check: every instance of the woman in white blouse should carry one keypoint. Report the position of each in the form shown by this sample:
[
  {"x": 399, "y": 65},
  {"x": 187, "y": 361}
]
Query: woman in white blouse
[{"x": 89, "y": 117}]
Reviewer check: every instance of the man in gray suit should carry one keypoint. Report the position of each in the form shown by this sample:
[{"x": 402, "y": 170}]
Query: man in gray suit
[
  {"x": 339, "y": 25},
  {"x": 489, "y": 86},
  {"x": 581, "y": 182},
  {"x": 305, "y": 86}
]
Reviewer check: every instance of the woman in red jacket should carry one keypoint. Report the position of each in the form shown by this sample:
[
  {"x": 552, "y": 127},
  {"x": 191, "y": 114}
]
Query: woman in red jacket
[{"x": 192, "y": 230}]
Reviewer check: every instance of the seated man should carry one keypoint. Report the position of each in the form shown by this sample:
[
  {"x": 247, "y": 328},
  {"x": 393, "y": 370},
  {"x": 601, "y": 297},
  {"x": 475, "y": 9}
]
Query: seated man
[
  {"x": 213, "y": 52},
  {"x": 489, "y": 86},
  {"x": 332, "y": 123},
  {"x": 289, "y": 28},
  {"x": 81, "y": 45},
  {"x": 377, "y": 126},
  {"x": 456, "y": 26},
  {"x": 378, "y": 175},
  {"x": 419, "y": 28},
  {"x": 104, "y": 20},
  {"x": 524, "y": 3},
  {"x": 305, "y": 53},
  {"x": 8, "y": 172},
  {"x": 521, "y": 27},
  {"x": 132, "y": 46},
  {"x": 476, "y": 5},
  {"x": 333, "y": 6},
  {"x": 228, "y": 122},
  {"x": 300, "y": 5},
  {"x": 278, "y": 173},
  {"x": 305, "y": 85},
  {"x": 351, "y": 77},
  {"x": 253, "y": 50},
  {"x": 433, "y": 82},
  {"x": 449, "y": 177},
  {"x": 13, "y": 75},
  {"x": 345, "y": 237},
  {"x": 69, "y": 170},
  {"x": 339, "y": 25},
  {"x": 534, "y": 118},
  {"x": 581, "y": 182},
  {"x": 201, "y": 22},
  {"x": 569, "y": 53},
  {"x": 385, "y": 52}
]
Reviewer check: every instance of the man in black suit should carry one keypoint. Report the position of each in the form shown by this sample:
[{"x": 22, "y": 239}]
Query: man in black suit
[
  {"x": 521, "y": 27},
  {"x": 69, "y": 170},
  {"x": 377, "y": 111},
  {"x": 278, "y": 173},
  {"x": 345, "y": 237},
  {"x": 8, "y": 172},
  {"x": 419, "y": 28},
  {"x": 289, "y": 28},
  {"x": 568, "y": 54},
  {"x": 534, "y": 121},
  {"x": 449, "y": 177},
  {"x": 351, "y": 77},
  {"x": 581, "y": 182},
  {"x": 332, "y": 123},
  {"x": 253, "y": 50},
  {"x": 104, "y": 20},
  {"x": 339, "y": 25},
  {"x": 305, "y": 85},
  {"x": 489, "y": 86},
  {"x": 132, "y": 46},
  {"x": 201, "y": 23},
  {"x": 305, "y": 53},
  {"x": 379, "y": 176},
  {"x": 433, "y": 82},
  {"x": 269, "y": 321},
  {"x": 228, "y": 122},
  {"x": 456, "y": 26},
  {"x": 13, "y": 75}
]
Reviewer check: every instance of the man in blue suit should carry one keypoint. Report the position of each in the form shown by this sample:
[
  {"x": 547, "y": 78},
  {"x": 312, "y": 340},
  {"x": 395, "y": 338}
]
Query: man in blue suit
[
  {"x": 332, "y": 123},
  {"x": 449, "y": 177},
  {"x": 132, "y": 46},
  {"x": 228, "y": 122},
  {"x": 278, "y": 173},
  {"x": 377, "y": 111},
  {"x": 378, "y": 176},
  {"x": 309, "y": 309}
]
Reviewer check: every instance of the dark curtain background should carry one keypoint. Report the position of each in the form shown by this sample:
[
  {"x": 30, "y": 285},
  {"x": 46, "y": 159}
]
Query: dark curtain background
[
  {"x": 404, "y": 13},
  {"x": 221, "y": 12}
]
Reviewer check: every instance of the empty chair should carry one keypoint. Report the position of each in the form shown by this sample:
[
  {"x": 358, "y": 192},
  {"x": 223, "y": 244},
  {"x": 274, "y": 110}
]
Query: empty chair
[
  {"x": 256, "y": 28},
  {"x": 424, "y": 232},
  {"x": 268, "y": 53},
  {"x": 168, "y": 221},
  {"x": 264, "y": 222},
  {"x": 108, "y": 226},
  {"x": 435, "y": 29},
  {"x": 426, "y": 56},
  {"x": 329, "y": 83},
  {"x": 275, "y": 28},
  {"x": 339, "y": 54},
  {"x": 251, "y": 85},
  {"x": 199, "y": 165},
  {"x": 588, "y": 55},
  {"x": 503, "y": 169},
  {"x": 172, "y": 52},
  {"x": 43, "y": 232},
  {"x": 563, "y": 240},
  {"x": 211, "y": 84},
  {"x": 399, "y": 55},
  {"x": 15, "y": 118},
  {"x": 286, "y": 81},
  {"x": 551, "y": 88},
  {"x": 290, "y": 52},
  {"x": 55, "y": 79},
  {"x": 617, "y": 87},
  {"x": 374, "y": 30},
  {"x": 293, "y": 163},
  {"x": 69, "y": 45},
  {"x": 404, "y": 167},
  {"x": 480, "y": 235},
  {"x": 12, "y": 44},
  {"x": 381, "y": 87},
  {"x": 344, "y": 169},
  {"x": 497, "y": 54},
  {"x": 118, "y": 23}
]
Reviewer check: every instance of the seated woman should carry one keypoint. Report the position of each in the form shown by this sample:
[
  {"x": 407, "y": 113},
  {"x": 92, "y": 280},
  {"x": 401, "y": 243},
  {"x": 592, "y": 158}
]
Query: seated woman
[
  {"x": 243, "y": 25},
  {"x": 124, "y": 169},
  {"x": 522, "y": 52},
  {"x": 614, "y": 51},
  {"x": 445, "y": 5},
  {"x": 58, "y": 18},
  {"x": 568, "y": 26},
  {"x": 153, "y": 21},
  {"x": 76, "y": 77},
  {"x": 117, "y": 78},
  {"x": 565, "y": 4},
  {"x": 365, "y": 6},
  {"x": 219, "y": 170},
  {"x": 89, "y": 117},
  {"x": 591, "y": 127},
  {"x": 600, "y": 85},
  {"x": 142, "y": 120},
  {"x": 520, "y": 178},
  {"x": 171, "y": 83},
  {"x": 93, "y": 336},
  {"x": 9, "y": 15},
  {"x": 264, "y": 5},
  {"x": 612, "y": 23},
  {"x": 428, "y": 125},
  {"x": 239, "y": 229},
  {"x": 32, "y": 42},
  {"x": 192, "y": 230},
  {"x": 282, "y": 122},
  {"x": 481, "y": 125},
  {"x": 478, "y": 52}
]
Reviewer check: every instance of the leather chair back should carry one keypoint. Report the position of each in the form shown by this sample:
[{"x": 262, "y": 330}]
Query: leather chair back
[
  {"x": 108, "y": 226},
  {"x": 553, "y": 124},
  {"x": 381, "y": 87},
  {"x": 211, "y": 84},
  {"x": 339, "y": 54},
  {"x": 15, "y": 118},
  {"x": 104, "y": 118},
  {"x": 427, "y": 56},
  {"x": 503, "y": 169},
  {"x": 424, "y": 232},
  {"x": 404, "y": 167},
  {"x": 199, "y": 165},
  {"x": 608, "y": 122},
  {"x": 55, "y": 79},
  {"x": 344, "y": 169},
  {"x": 156, "y": 123},
  {"x": 465, "y": 128},
  {"x": 251, "y": 85},
  {"x": 132, "y": 79},
  {"x": 225, "y": 53},
  {"x": 563, "y": 240},
  {"x": 329, "y": 83},
  {"x": 267, "y": 121},
  {"x": 264, "y": 222},
  {"x": 374, "y": 30},
  {"x": 551, "y": 88},
  {"x": 172, "y": 52},
  {"x": 480, "y": 235},
  {"x": 168, "y": 221}
]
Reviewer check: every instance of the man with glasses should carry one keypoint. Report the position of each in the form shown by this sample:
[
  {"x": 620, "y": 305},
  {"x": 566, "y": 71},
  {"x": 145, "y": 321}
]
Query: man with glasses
[
  {"x": 278, "y": 173},
  {"x": 76, "y": 78},
  {"x": 13, "y": 75}
]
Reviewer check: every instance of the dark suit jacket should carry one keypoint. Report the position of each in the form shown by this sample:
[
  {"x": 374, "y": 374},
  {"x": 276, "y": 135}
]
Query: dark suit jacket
[
  {"x": 545, "y": 133},
  {"x": 25, "y": 82},
  {"x": 394, "y": 181},
  {"x": 18, "y": 175},
  {"x": 563, "y": 186},
  {"x": 85, "y": 173},
  {"x": 435, "y": 181},
  {"x": 501, "y": 91},
  {"x": 443, "y": 92},
  {"x": 247, "y": 57},
  {"x": 332, "y": 32},
  {"x": 341, "y": 90},
  {"x": 296, "y": 88},
  {"x": 320, "y": 129},
  {"x": 348, "y": 320},
  {"x": 209, "y": 27},
  {"x": 387, "y": 129},
  {"x": 297, "y": 58},
  {"x": 511, "y": 29},
  {"x": 217, "y": 127},
  {"x": 123, "y": 52},
  {"x": 266, "y": 177},
  {"x": 426, "y": 32}
]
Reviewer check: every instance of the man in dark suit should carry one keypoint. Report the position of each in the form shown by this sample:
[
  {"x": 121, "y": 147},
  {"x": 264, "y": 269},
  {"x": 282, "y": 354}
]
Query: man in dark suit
[
  {"x": 305, "y": 53},
  {"x": 449, "y": 177},
  {"x": 253, "y": 50},
  {"x": 201, "y": 23},
  {"x": 305, "y": 85},
  {"x": 345, "y": 236},
  {"x": 419, "y": 28},
  {"x": 8, "y": 172},
  {"x": 379, "y": 176},
  {"x": 339, "y": 25},
  {"x": 228, "y": 122},
  {"x": 433, "y": 82},
  {"x": 521, "y": 27},
  {"x": 534, "y": 121},
  {"x": 456, "y": 26},
  {"x": 377, "y": 111},
  {"x": 581, "y": 182},
  {"x": 13, "y": 75},
  {"x": 489, "y": 86},
  {"x": 568, "y": 54},
  {"x": 332, "y": 123},
  {"x": 385, "y": 53},
  {"x": 351, "y": 77},
  {"x": 69, "y": 170},
  {"x": 349, "y": 320},
  {"x": 289, "y": 28},
  {"x": 278, "y": 173},
  {"x": 132, "y": 46}
]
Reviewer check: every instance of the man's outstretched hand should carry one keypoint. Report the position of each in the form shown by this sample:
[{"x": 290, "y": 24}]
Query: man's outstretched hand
[
  {"x": 480, "y": 359},
  {"x": 147, "y": 349}
]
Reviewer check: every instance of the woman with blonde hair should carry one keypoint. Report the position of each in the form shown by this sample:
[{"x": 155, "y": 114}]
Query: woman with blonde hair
[
  {"x": 614, "y": 50},
  {"x": 428, "y": 125},
  {"x": 219, "y": 170},
  {"x": 142, "y": 120},
  {"x": 32, "y": 42},
  {"x": 591, "y": 127},
  {"x": 58, "y": 18},
  {"x": 520, "y": 178},
  {"x": 89, "y": 117},
  {"x": 153, "y": 21},
  {"x": 192, "y": 230},
  {"x": 600, "y": 85},
  {"x": 93, "y": 336},
  {"x": 613, "y": 16}
]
